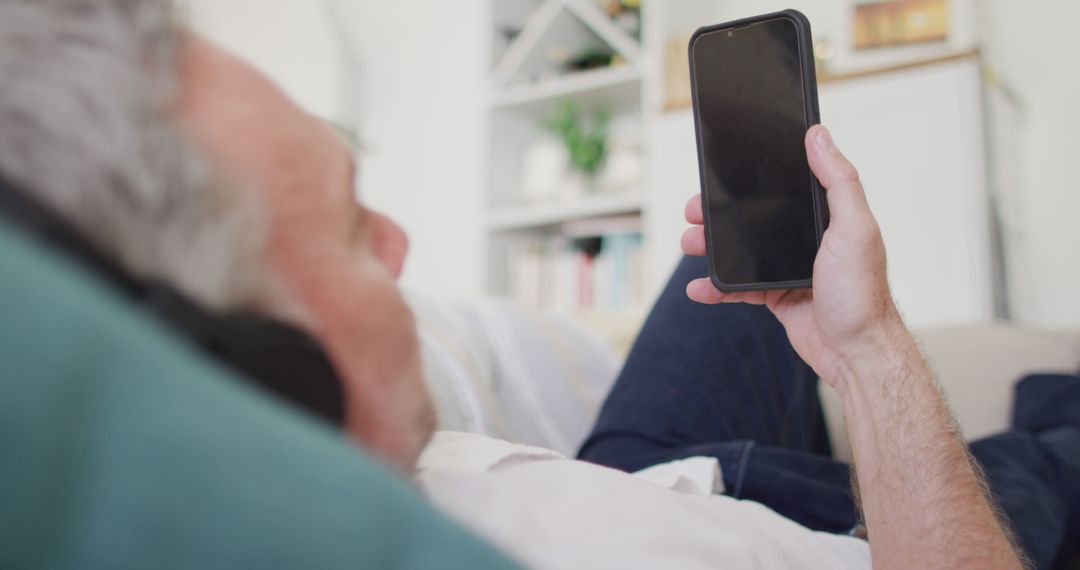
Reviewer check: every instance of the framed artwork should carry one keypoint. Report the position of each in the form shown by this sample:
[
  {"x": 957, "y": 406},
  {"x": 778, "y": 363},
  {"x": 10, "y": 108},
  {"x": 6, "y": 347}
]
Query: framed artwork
[
  {"x": 677, "y": 91},
  {"x": 891, "y": 23}
]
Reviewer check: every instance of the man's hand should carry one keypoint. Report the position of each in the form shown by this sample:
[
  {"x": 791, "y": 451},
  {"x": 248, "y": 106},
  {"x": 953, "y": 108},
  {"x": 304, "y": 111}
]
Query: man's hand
[
  {"x": 923, "y": 501},
  {"x": 850, "y": 309}
]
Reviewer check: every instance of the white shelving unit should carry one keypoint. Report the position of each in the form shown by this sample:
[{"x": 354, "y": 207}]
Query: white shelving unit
[
  {"x": 543, "y": 216},
  {"x": 569, "y": 24},
  {"x": 526, "y": 88},
  {"x": 616, "y": 85}
]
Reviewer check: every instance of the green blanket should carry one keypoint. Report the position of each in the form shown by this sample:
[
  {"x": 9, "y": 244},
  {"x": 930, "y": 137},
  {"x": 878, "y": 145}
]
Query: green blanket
[{"x": 120, "y": 448}]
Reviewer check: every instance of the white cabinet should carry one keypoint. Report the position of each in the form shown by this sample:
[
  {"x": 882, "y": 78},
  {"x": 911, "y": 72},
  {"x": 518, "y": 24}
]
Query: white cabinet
[{"x": 917, "y": 139}]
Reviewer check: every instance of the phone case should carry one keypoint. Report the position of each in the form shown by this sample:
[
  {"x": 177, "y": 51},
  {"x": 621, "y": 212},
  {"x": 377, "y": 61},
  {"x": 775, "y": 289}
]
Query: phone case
[{"x": 810, "y": 101}]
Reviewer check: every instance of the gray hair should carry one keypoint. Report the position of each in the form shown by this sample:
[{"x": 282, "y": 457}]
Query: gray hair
[{"x": 85, "y": 92}]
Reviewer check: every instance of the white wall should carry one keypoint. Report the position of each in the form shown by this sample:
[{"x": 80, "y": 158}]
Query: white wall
[
  {"x": 408, "y": 77},
  {"x": 293, "y": 41},
  {"x": 422, "y": 124},
  {"x": 1033, "y": 47}
]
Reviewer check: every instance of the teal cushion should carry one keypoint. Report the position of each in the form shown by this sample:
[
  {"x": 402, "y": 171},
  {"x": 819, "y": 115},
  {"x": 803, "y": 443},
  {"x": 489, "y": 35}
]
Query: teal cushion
[{"x": 120, "y": 448}]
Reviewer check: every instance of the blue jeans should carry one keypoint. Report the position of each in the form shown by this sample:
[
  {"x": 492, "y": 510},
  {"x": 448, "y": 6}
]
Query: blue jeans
[{"x": 723, "y": 381}]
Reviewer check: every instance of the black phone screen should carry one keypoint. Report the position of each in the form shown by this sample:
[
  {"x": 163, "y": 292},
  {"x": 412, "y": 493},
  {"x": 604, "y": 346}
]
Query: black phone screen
[{"x": 752, "y": 121}]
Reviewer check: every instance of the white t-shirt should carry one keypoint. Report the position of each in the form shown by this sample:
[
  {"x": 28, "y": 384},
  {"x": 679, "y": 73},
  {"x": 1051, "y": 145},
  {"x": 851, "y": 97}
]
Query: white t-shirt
[{"x": 552, "y": 512}]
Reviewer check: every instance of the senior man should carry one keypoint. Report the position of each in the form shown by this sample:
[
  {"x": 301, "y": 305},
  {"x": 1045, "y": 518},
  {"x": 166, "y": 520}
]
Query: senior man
[{"x": 163, "y": 150}]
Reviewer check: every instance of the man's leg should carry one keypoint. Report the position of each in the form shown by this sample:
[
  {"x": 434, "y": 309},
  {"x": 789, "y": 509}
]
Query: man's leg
[
  {"x": 723, "y": 381},
  {"x": 702, "y": 374},
  {"x": 1034, "y": 470}
]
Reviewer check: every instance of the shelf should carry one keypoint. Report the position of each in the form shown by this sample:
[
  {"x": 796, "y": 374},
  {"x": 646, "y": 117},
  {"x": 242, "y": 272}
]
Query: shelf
[
  {"x": 600, "y": 24},
  {"x": 541, "y": 215},
  {"x": 825, "y": 78},
  {"x": 529, "y": 231},
  {"x": 526, "y": 43},
  {"x": 617, "y": 87},
  {"x": 569, "y": 25}
]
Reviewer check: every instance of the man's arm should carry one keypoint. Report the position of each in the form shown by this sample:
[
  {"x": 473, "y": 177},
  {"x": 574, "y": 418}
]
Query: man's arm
[{"x": 923, "y": 500}]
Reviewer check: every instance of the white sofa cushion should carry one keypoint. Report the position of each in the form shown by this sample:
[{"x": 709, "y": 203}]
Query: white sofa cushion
[
  {"x": 499, "y": 370},
  {"x": 977, "y": 367}
]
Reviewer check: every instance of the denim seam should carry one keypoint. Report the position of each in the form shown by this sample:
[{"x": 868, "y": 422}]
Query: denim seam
[{"x": 743, "y": 460}]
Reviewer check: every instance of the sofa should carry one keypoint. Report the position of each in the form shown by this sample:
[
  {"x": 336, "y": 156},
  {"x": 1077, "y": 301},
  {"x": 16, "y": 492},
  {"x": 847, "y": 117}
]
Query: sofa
[
  {"x": 534, "y": 378},
  {"x": 540, "y": 379}
]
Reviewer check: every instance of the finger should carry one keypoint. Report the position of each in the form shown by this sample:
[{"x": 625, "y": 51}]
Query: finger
[
  {"x": 694, "y": 213},
  {"x": 693, "y": 241},
  {"x": 703, "y": 291},
  {"x": 844, "y": 191}
]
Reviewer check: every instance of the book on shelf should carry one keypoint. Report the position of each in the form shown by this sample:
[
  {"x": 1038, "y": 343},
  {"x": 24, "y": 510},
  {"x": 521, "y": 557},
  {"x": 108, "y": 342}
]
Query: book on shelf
[{"x": 590, "y": 266}]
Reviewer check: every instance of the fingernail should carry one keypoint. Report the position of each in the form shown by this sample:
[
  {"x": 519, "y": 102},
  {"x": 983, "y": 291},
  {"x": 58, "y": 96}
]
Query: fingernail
[{"x": 824, "y": 139}]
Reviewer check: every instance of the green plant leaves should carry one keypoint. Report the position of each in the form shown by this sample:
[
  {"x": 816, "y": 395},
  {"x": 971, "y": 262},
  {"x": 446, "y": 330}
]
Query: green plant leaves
[{"x": 586, "y": 142}]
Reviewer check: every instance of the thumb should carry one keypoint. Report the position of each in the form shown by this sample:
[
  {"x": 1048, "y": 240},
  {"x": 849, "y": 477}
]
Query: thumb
[{"x": 847, "y": 201}]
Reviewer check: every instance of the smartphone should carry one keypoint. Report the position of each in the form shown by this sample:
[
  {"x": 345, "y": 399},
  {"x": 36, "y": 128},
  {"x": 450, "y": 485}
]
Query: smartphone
[{"x": 755, "y": 96}]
